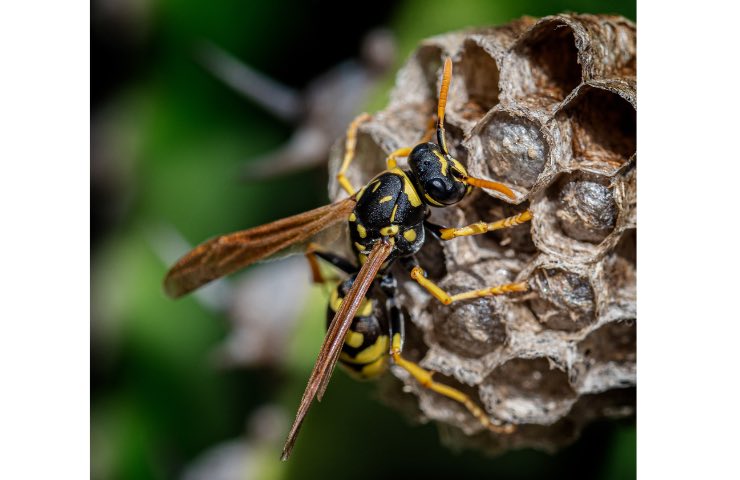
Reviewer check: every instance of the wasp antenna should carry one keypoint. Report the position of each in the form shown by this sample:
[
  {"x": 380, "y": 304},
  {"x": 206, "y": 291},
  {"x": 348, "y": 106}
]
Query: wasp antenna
[
  {"x": 490, "y": 185},
  {"x": 446, "y": 78}
]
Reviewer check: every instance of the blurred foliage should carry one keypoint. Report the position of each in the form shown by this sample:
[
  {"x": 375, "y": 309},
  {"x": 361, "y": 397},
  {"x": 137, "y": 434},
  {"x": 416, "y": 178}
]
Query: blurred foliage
[{"x": 168, "y": 141}]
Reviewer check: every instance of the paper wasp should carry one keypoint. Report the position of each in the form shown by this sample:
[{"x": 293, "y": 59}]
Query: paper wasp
[{"x": 387, "y": 222}]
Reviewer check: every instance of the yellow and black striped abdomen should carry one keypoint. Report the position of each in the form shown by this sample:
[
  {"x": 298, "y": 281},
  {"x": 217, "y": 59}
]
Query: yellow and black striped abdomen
[{"x": 365, "y": 350}]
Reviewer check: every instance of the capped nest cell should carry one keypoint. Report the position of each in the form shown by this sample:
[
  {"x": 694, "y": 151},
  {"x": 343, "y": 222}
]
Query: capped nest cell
[{"x": 548, "y": 107}]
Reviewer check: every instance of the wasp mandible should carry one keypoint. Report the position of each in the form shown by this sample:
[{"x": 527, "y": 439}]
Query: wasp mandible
[{"x": 388, "y": 221}]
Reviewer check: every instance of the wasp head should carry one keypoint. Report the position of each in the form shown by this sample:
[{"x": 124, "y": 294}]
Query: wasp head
[{"x": 438, "y": 177}]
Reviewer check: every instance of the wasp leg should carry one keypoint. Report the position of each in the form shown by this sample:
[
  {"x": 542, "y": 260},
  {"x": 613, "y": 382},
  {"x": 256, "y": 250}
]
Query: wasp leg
[
  {"x": 340, "y": 262},
  {"x": 314, "y": 252},
  {"x": 316, "y": 276},
  {"x": 401, "y": 152},
  {"x": 424, "y": 377},
  {"x": 477, "y": 228},
  {"x": 420, "y": 276},
  {"x": 349, "y": 152}
]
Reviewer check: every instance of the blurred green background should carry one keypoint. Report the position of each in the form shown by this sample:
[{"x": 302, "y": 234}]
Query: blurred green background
[{"x": 168, "y": 143}]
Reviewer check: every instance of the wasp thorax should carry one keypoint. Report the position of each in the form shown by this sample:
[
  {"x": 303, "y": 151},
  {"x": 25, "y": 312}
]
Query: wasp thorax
[{"x": 438, "y": 176}]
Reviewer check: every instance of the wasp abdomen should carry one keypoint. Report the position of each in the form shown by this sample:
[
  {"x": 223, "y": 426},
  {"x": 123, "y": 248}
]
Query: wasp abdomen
[{"x": 365, "y": 350}]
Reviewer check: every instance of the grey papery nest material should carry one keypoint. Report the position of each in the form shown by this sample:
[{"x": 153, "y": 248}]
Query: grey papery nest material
[{"x": 548, "y": 107}]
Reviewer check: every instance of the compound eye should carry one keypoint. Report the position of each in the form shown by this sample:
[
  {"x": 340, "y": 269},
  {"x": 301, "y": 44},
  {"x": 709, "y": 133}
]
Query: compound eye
[
  {"x": 436, "y": 188},
  {"x": 442, "y": 191}
]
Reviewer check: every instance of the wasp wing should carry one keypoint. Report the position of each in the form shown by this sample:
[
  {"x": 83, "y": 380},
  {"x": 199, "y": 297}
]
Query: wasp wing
[
  {"x": 332, "y": 346},
  {"x": 228, "y": 253}
]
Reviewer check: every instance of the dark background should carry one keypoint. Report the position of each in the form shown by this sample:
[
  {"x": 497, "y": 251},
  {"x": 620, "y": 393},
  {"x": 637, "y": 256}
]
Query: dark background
[{"x": 168, "y": 141}]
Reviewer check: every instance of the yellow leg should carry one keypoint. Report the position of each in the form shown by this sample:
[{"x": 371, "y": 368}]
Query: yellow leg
[
  {"x": 419, "y": 275},
  {"x": 424, "y": 377},
  {"x": 313, "y": 262},
  {"x": 349, "y": 152},
  {"x": 401, "y": 152},
  {"x": 315, "y": 251},
  {"x": 483, "y": 227}
]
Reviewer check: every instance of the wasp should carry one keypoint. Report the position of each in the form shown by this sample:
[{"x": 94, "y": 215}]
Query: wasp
[{"x": 388, "y": 222}]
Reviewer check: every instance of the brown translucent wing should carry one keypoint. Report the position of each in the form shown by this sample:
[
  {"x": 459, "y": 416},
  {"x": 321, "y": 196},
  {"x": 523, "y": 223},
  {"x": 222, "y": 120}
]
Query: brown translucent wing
[
  {"x": 332, "y": 346},
  {"x": 228, "y": 253}
]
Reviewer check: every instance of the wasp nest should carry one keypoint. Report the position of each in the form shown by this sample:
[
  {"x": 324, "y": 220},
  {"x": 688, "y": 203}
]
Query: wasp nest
[{"x": 548, "y": 107}]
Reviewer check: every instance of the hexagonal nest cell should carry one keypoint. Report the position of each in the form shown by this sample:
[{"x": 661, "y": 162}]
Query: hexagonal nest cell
[
  {"x": 528, "y": 391},
  {"x": 368, "y": 148},
  {"x": 564, "y": 300},
  {"x": 579, "y": 216},
  {"x": 547, "y": 107},
  {"x": 420, "y": 75},
  {"x": 433, "y": 259},
  {"x": 604, "y": 126},
  {"x": 480, "y": 91},
  {"x": 614, "y": 342},
  {"x": 586, "y": 208},
  {"x": 608, "y": 357},
  {"x": 549, "y": 51},
  {"x": 469, "y": 329},
  {"x": 455, "y": 134},
  {"x": 627, "y": 246},
  {"x": 508, "y": 147}
]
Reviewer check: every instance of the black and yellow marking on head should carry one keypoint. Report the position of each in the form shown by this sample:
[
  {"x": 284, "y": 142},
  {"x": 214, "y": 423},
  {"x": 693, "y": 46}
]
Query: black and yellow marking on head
[
  {"x": 438, "y": 176},
  {"x": 432, "y": 201},
  {"x": 443, "y": 163},
  {"x": 456, "y": 165}
]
